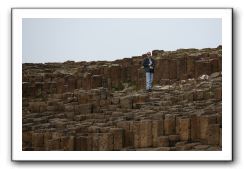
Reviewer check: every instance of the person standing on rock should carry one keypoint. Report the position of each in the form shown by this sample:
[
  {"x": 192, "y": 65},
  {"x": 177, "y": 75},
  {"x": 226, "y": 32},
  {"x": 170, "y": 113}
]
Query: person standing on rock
[{"x": 149, "y": 65}]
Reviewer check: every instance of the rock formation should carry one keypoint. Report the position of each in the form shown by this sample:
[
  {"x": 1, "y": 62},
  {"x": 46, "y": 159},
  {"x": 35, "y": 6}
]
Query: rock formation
[{"x": 102, "y": 105}]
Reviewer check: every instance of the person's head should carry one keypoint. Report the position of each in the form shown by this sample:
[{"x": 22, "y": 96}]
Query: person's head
[{"x": 149, "y": 54}]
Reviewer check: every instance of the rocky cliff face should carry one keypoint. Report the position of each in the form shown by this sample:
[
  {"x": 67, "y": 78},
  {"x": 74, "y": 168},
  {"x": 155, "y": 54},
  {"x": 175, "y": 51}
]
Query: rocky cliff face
[{"x": 103, "y": 106}]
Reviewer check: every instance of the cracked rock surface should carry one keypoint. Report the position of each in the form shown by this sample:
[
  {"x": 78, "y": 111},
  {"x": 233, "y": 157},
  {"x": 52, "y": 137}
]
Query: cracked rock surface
[{"x": 91, "y": 106}]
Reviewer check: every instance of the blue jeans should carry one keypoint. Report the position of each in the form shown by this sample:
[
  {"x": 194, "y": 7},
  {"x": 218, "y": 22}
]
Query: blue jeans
[{"x": 149, "y": 80}]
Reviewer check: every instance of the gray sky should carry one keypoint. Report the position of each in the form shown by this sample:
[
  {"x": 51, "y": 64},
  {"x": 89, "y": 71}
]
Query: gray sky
[{"x": 59, "y": 40}]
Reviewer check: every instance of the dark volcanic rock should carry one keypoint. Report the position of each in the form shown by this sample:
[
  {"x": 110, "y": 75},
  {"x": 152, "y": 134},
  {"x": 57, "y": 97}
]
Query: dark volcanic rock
[{"x": 86, "y": 106}]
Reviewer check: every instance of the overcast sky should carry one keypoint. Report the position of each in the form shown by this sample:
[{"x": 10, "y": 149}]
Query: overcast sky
[{"x": 59, "y": 40}]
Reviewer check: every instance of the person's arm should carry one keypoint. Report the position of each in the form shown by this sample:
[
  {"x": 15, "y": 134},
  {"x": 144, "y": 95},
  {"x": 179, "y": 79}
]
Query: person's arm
[{"x": 145, "y": 63}]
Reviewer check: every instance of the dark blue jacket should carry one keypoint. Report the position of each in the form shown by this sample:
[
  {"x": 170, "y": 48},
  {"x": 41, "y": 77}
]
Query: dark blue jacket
[{"x": 147, "y": 67}]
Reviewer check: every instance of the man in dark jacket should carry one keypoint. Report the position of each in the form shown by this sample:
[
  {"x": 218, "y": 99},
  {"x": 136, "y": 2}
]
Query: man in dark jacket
[{"x": 149, "y": 65}]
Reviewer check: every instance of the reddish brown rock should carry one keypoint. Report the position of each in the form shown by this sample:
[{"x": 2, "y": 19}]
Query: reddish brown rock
[
  {"x": 118, "y": 138},
  {"x": 185, "y": 129},
  {"x": 128, "y": 126},
  {"x": 105, "y": 142},
  {"x": 205, "y": 122},
  {"x": 163, "y": 141},
  {"x": 67, "y": 143},
  {"x": 137, "y": 135},
  {"x": 146, "y": 133},
  {"x": 195, "y": 128},
  {"x": 169, "y": 124},
  {"x": 157, "y": 131}
]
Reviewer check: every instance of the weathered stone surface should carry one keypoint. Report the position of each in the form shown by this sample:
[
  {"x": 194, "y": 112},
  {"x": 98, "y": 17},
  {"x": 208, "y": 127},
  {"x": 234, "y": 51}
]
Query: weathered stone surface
[
  {"x": 27, "y": 136},
  {"x": 118, "y": 138},
  {"x": 195, "y": 127},
  {"x": 67, "y": 143},
  {"x": 185, "y": 129},
  {"x": 83, "y": 108},
  {"x": 205, "y": 122},
  {"x": 128, "y": 127},
  {"x": 96, "y": 81},
  {"x": 202, "y": 67},
  {"x": 163, "y": 149},
  {"x": 126, "y": 102},
  {"x": 53, "y": 144},
  {"x": 220, "y": 137},
  {"x": 173, "y": 139},
  {"x": 213, "y": 135},
  {"x": 106, "y": 142},
  {"x": 37, "y": 107},
  {"x": 157, "y": 131},
  {"x": 137, "y": 135},
  {"x": 163, "y": 141},
  {"x": 146, "y": 133},
  {"x": 37, "y": 140},
  {"x": 169, "y": 124},
  {"x": 102, "y": 105},
  {"x": 201, "y": 147}
]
